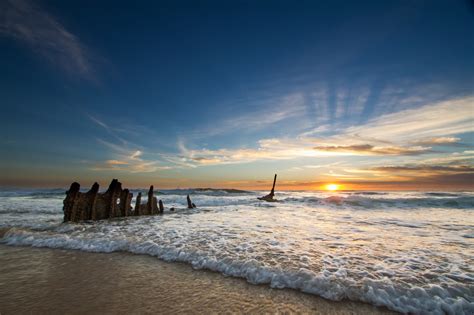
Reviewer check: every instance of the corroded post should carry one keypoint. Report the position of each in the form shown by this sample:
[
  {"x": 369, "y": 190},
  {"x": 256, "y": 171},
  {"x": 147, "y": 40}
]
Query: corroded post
[
  {"x": 162, "y": 208},
  {"x": 270, "y": 196},
  {"x": 149, "y": 204},
  {"x": 154, "y": 205},
  {"x": 113, "y": 193},
  {"x": 125, "y": 199},
  {"x": 129, "y": 206},
  {"x": 272, "y": 192},
  {"x": 138, "y": 204},
  {"x": 190, "y": 204},
  {"x": 69, "y": 201},
  {"x": 91, "y": 199}
]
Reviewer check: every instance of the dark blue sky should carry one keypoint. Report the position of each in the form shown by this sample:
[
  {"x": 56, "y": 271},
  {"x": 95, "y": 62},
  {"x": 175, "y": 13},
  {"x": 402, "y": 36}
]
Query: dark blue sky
[{"x": 209, "y": 92}]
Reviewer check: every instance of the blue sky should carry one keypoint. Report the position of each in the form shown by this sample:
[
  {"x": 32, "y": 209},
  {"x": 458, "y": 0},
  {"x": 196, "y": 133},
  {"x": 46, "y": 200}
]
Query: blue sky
[{"x": 211, "y": 93}]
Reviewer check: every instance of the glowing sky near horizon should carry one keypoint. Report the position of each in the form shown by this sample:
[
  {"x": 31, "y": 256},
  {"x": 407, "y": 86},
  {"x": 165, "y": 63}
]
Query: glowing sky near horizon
[{"x": 365, "y": 95}]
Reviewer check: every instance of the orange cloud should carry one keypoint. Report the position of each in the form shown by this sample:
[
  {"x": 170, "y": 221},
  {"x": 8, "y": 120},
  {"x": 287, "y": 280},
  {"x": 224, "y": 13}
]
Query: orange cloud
[
  {"x": 431, "y": 169},
  {"x": 115, "y": 162},
  {"x": 374, "y": 150},
  {"x": 437, "y": 141}
]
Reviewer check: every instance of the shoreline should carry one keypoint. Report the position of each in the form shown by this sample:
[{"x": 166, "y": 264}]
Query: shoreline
[{"x": 45, "y": 280}]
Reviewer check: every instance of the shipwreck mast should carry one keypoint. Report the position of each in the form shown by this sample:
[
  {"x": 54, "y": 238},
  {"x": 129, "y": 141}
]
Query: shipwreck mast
[{"x": 270, "y": 196}]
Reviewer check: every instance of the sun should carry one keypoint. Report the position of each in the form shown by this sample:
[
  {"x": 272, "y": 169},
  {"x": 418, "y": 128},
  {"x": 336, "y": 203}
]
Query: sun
[{"x": 332, "y": 187}]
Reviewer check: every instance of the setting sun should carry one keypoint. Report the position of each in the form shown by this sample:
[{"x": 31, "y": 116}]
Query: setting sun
[{"x": 332, "y": 187}]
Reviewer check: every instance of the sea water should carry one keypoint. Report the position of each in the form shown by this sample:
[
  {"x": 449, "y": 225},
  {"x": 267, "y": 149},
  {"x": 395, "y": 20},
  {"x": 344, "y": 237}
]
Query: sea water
[{"x": 407, "y": 251}]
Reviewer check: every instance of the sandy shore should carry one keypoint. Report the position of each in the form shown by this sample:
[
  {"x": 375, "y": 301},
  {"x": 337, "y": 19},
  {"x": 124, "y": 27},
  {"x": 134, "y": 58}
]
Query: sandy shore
[{"x": 54, "y": 281}]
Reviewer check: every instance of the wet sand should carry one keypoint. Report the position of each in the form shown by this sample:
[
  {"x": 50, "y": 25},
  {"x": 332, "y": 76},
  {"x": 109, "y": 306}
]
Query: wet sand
[{"x": 55, "y": 281}]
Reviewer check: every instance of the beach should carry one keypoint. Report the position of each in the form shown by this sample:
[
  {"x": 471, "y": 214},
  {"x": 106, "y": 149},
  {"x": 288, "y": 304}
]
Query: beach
[
  {"x": 54, "y": 281},
  {"x": 313, "y": 252}
]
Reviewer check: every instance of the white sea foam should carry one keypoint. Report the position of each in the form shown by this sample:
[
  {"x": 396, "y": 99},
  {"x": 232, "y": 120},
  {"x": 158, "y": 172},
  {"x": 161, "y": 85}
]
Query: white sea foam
[{"x": 417, "y": 259}]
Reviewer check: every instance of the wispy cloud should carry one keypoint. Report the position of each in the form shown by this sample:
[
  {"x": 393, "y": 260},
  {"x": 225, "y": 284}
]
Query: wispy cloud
[
  {"x": 114, "y": 132},
  {"x": 455, "y": 158},
  {"x": 440, "y": 174},
  {"x": 268, "y": 112},
  {"x": 125, "y": 155},
  {"x": 100, "y": 123},
  {"x": 127, "y": 160},
  {"x": 426, "y": 168},
  {"x": 316, "y": 166},
  {"x": 360, "y": 100},
  {"x": 124, "y": 130},
  {"x": 136, "y": 155},
  {"x": 268, "y": 149},
  {"x": 432, "y": 120},
  {"x": 115, "y": 162},
  {"x": 287, "y": 107},
  {"x": 438, "y": 140},
  {"x": 369, "y": 149},
  {"x": 131, "y": 167},
  {"x": 27, "y": 22},
  {"x": 388, "y": 135}
]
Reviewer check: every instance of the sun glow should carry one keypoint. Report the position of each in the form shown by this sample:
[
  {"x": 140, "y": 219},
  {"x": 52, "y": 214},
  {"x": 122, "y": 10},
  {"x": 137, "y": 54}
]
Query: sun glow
[{"x": 332, "y": 187}]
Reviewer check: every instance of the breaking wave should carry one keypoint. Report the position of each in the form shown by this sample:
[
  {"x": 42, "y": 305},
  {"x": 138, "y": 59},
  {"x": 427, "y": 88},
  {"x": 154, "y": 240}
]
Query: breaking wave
[
  {"x": 33, "y": 194},
  {"x": 360, "y": 201},
  {"x": 336, "y": 282}
]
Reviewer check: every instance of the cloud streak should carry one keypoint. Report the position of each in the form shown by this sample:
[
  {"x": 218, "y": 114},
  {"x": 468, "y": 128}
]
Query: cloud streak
[
  {"x": 438, "y": 141},
  {"x": 270, "y": 111},
  {"x": 372, "y": 150},
  {"x": 426, "y": 169},
  {"x": 429, "y": 121},
  {"x": 127, "y": 160},
  {"x": 388, "y": 135},
  {"x": 28, "y": 23},
  {"x": 462, "y": 175}
]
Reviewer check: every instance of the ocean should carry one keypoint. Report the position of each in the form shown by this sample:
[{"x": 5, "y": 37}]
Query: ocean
[{"x": 407, "y": 251}]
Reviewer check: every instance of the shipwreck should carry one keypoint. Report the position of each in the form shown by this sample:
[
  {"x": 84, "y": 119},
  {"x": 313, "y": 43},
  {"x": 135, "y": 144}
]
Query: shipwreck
[{"x": 115, "y": 202}]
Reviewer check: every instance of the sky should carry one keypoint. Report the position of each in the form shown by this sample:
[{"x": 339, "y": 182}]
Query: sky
[{"x": 224, "y": 94}]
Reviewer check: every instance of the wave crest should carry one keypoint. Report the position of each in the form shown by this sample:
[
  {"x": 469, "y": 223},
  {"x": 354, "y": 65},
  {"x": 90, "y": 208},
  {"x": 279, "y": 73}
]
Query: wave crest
[{"x": 359, "y": 201}]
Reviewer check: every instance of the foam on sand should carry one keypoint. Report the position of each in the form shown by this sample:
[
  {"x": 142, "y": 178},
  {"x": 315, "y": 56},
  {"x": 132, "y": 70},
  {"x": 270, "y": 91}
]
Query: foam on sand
[{"x": 48, "y": 280}]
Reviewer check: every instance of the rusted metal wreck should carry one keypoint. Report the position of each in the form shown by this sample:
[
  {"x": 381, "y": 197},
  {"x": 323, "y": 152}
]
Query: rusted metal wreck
[{"x": 115, "y": 202}]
